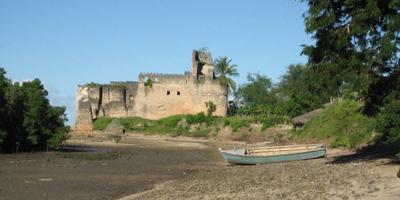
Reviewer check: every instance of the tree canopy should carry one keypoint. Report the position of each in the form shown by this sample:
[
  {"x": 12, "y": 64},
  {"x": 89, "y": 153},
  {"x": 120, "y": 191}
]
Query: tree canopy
[
  {"x": 28, "y": 121},
  {"x": 356, "y": 45},
  {"x": 257, "y": 91}
]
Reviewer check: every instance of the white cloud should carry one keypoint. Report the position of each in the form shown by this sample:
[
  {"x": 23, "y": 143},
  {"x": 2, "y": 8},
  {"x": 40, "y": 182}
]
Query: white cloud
[{"x": 23, "y": 81}]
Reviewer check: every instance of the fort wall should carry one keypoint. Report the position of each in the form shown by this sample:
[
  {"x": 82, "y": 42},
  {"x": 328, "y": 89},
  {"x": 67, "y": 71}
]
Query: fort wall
[{"x": 169, "y": 94}]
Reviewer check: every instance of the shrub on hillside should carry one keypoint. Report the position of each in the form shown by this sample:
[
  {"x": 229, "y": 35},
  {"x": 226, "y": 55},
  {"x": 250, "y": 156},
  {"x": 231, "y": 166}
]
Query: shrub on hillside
[
  {"x": 237, "y": 122},
  {"x": 200, "y": 118},
  {"x": 272, "y": 120},
  {"x": 341, "y": 124}
]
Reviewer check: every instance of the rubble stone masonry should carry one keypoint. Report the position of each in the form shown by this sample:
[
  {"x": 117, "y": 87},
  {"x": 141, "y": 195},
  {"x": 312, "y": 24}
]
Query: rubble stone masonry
[{"x": 169, "y": 94}]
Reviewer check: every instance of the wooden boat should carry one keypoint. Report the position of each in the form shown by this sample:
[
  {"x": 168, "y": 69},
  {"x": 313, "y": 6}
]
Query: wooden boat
[{"x": 260, "y": 155}]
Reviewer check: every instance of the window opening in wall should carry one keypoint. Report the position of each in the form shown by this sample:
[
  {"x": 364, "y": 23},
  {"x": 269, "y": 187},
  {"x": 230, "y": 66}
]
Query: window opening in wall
[
  {"x": 168, "y": 92},
  {"x": 178, "y": 93}
]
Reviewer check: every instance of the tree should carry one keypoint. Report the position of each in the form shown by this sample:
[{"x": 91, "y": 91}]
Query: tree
[
  {"x": 257, "y": 91},
  {"x": 299, "y": 90},
  {"x": 388, "y": 123},
  {"x": 224, "y": 71},
  {"x": 356, "y": 45},
  {"x": 28, "y": 121},
  {"x": 4, "y": 85}
]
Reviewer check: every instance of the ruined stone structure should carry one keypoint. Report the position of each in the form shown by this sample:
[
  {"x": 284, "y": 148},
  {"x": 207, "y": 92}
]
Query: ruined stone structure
[{"x": 166, "y": 95}]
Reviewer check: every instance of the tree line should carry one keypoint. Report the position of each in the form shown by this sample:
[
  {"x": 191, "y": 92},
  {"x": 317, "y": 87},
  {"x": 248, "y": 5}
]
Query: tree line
[
  {"x": 27, "y": 120},
  {"x": 355, "y": 55}
]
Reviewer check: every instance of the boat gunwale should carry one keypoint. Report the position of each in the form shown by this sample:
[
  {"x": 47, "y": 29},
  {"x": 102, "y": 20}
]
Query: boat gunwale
[{"x": 321, "y": 147}]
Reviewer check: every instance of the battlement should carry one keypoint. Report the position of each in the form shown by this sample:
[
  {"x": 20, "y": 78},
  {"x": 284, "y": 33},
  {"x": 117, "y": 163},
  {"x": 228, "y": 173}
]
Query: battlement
[{"x": 164, "y": 77}]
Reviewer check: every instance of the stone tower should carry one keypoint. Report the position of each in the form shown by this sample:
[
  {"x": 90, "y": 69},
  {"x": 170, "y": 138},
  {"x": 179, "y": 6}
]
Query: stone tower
[{"x": 202, "y": 65}]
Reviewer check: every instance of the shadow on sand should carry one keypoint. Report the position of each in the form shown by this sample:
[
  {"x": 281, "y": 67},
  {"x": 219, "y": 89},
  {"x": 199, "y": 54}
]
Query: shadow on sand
[{"x": 369, "y": 153}]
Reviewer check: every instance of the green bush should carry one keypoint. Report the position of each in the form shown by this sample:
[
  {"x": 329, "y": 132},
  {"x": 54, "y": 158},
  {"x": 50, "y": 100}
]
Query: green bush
[
  {"x": 102, "y": 123},
  {"x": 200, "y": 118},
  {"x": 341, "y": 124},
  {"x": 148, "y": 83},
  {"x": 58, "y": 138},
  {"x": 388, "y": 124},
  {"x": 196, "y": 119},
  {"x": 237, "y": 122},
  {"x": 211, "y": 108},
  {"x": 226, "y": 122},
  {"x": 273, "y": 120}
]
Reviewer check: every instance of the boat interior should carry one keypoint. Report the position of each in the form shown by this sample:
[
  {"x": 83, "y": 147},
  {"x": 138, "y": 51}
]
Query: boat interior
[{"x": 280, "y": 150}]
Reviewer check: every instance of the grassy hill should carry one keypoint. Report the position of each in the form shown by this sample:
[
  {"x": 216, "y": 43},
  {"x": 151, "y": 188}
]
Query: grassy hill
[{"x": 341, "y": 124}]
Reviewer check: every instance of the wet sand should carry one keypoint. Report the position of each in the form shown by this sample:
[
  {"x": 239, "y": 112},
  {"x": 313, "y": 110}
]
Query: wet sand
[
  {"x": 142, "y": 167},
  {"x": 131, "y": 168}
]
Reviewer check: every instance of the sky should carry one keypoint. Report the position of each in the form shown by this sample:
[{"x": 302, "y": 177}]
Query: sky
[{"x": 66, "y": 43}]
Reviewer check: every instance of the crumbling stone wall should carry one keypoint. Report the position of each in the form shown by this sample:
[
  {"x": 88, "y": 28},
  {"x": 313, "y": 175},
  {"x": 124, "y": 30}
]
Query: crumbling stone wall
[{"x": 170, "y": 94}]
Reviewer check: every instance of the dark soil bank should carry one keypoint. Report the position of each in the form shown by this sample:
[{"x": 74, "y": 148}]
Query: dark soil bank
[{"x": 107, "y": 173}]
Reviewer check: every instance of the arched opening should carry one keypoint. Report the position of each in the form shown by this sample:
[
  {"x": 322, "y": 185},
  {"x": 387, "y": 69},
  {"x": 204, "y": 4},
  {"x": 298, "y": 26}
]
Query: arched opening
[
  {"x": 178, "y": 93},
  {"x": 168, "y": 92}
]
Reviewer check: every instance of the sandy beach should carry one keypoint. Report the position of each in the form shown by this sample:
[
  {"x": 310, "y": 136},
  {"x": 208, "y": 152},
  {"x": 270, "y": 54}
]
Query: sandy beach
[{"x": 158, "y": 167}]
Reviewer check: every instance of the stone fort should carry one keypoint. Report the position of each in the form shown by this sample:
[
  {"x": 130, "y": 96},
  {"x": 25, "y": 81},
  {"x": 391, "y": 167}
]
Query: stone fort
[{"x": 154, "y": 95}]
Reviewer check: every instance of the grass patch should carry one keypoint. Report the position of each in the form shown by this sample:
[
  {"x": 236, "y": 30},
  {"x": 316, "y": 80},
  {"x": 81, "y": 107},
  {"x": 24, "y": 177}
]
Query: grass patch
[
  {"x": 168, "y": 125},
  {"x": 91, "y": 156},
  {"x": 102, "y": 123},
  {"x": 342, "y": 125},
  {"x": 237, "y": 122},
  {"x": 170, "y": 122},
  {"x": 133, "y": 123},
  {"x": 272, "y": 120},
  {"x": 198, "y": 125}
]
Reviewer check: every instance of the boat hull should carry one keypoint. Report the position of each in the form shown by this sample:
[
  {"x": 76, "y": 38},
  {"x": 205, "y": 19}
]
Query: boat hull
[{"x": 248, "y": 159}]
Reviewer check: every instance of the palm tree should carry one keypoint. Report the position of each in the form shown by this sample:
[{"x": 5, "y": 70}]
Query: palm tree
[{"x": 224, "y": 71}]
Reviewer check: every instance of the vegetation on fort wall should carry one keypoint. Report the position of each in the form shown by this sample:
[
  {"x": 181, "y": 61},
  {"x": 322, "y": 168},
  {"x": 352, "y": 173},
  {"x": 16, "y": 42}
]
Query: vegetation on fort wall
[
  {"x": 92, "y": 84},
  {"x": 341, "y": 124},
  {"x": 148, "y": 83}
]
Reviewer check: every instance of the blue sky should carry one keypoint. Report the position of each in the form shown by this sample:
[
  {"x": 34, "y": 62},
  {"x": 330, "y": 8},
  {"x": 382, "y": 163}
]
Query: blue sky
[{"x": 66, "y": 43}]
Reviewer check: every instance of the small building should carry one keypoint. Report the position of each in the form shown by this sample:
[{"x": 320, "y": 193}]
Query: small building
[{"x": 154, "y": 95}]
